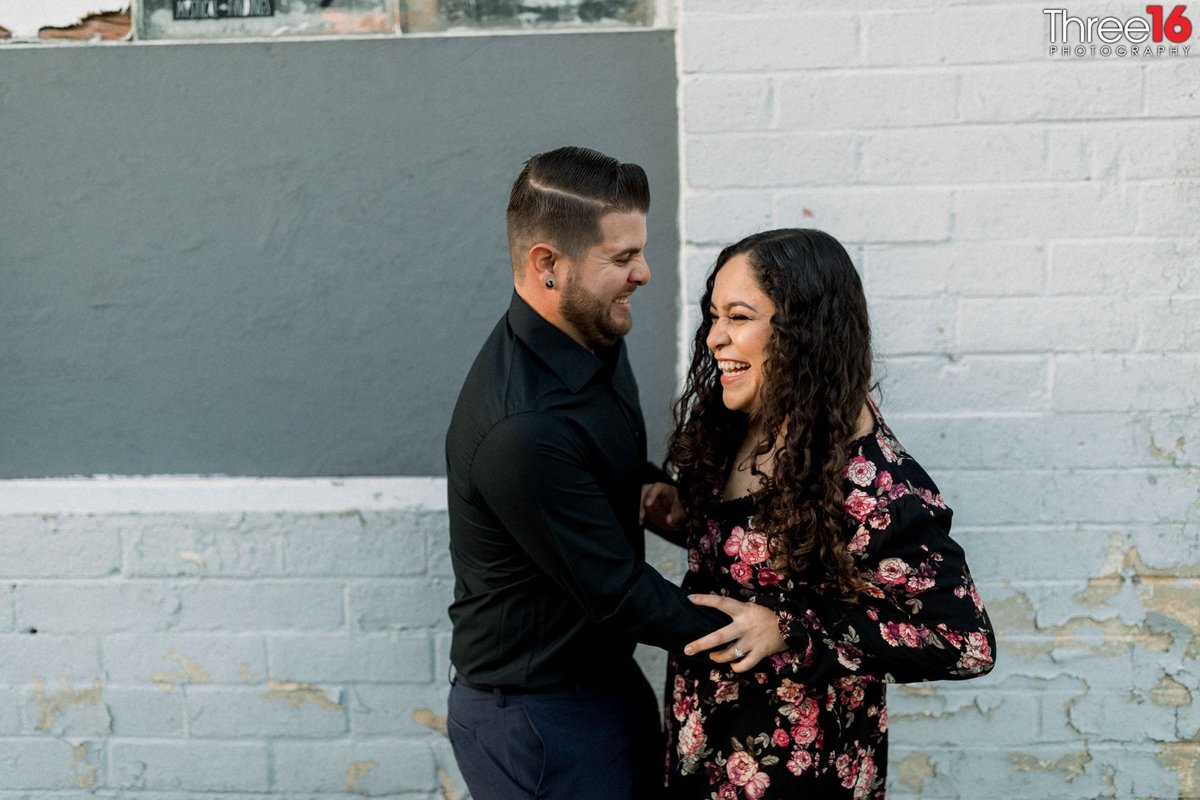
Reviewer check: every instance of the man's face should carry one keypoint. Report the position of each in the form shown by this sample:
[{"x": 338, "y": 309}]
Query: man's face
[{"x": 595, "y": 302}]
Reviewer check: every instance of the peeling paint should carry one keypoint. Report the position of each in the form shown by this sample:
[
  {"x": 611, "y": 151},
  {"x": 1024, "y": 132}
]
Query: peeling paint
[
  {"x": 1170, "y": 456},
  {"x": 449, "y": 790},
  {"x": 1183, "y": 758},
  {"x": 917, "y": 689},
  {"x": 24, "y": 20},
  {"x": 356, "y": 771},
  {"x": 1170, "y": 692},
  {"x": 914, "y": 769},
  {"x": 298, "y": 694},
  {"x": 191, "y": 672},
  {"x": 1072, "y": 764},
  {"x": 435, "y": 722},
  {"x": 193, "y": 557},
  {"x": 84, "y": 771},
  {"x": 1179, "y": 603},
  {"x": 1102, "y": 637},
  {"x": 50, "y": 708}
]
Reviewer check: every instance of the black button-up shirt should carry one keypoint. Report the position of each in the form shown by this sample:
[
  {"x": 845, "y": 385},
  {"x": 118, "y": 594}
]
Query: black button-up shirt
[{"x": 545, "y": 458}]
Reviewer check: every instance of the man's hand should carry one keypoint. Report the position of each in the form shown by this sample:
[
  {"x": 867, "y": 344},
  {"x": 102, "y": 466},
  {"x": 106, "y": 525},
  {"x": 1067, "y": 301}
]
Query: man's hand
[
  {"x": 661, "y": 507},
  {"x": 754, "y": 633}
]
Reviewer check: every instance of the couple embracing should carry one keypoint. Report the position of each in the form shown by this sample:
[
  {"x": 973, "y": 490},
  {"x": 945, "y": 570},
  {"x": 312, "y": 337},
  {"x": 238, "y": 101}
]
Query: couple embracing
[{"x": 820, "y": 566}]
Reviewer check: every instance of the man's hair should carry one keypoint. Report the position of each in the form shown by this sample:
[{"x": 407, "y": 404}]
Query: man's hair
[{"x": 560, "y": 196}]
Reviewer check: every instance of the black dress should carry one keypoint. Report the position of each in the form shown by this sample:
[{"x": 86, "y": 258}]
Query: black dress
[{"x": 812, "y": 721}]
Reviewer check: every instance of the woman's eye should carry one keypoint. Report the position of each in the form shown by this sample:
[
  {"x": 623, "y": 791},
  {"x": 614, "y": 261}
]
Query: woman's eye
[{"x": 738, "y": 317}]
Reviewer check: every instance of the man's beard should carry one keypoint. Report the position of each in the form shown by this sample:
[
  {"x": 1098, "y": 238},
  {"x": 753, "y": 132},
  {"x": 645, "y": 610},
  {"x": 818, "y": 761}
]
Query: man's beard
[{"x": 591, "y": 316}]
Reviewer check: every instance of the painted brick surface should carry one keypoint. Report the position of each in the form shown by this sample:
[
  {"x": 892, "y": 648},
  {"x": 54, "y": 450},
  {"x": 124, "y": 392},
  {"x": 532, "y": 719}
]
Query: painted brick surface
[{"x": 1026, "y": 228}]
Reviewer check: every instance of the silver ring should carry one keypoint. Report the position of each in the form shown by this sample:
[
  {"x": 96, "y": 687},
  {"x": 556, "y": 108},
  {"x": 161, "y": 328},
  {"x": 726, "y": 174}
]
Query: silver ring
[{"x": 737, "y": 652}]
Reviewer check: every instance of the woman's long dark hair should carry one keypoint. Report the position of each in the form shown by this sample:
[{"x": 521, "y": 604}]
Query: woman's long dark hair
[{"x": 817, "y": 375}]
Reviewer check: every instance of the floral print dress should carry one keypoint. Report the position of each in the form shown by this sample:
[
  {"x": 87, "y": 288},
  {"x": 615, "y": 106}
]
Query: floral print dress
[{"x": 811, "y": 722}]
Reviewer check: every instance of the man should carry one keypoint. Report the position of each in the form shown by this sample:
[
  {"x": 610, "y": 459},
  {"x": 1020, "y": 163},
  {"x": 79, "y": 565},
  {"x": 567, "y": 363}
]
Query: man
[{"x": 546, "y": 463}]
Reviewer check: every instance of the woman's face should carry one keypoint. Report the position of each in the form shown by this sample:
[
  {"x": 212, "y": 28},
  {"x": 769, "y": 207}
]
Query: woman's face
[{"x": 741, "y": 327}]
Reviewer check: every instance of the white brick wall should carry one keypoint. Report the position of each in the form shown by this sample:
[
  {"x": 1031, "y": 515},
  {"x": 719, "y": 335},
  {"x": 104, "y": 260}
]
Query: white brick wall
[{"x": 1028, "y": 229}]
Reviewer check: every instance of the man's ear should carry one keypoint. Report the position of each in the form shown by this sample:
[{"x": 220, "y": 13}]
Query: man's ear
[{"x": 541, "y": 261}]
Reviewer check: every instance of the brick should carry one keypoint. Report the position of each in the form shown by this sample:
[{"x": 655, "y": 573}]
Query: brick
[
  {"x": 1001, "y": 212},
  {"x": 10, "y": 711},
  {"x": 1125, "y": 150},
  {"x": 965, "y": 269},
  {"x": 164, "y": 545},
  {"x": 47, "y": 546},
  {"x": 239, "y": 606},
  {"x": 1171, "y": 86},
  {"x": 26, "y": 657},
  {"x": 388, "y": 766},
  {"x": 952, "y": 155},
  {"x": 1124, "y": 267},
  {"x": 178, "y": 659},
  {"x": 370, "y": 543},
  {"x": 388, "y": 606},
  {"x": 721, "y": 43},
  {"x": 767, "y": 160},
  {"x": 64, "y": 709},
  {"x": 191, "y": 765},
  {"x": 722, "y": 218},
  {"x": 867, "y": 99},
  {"x": 1019, "y": 551},
  {"x": 1169, "y": 209},
  {"x": 78, "y": 607},
  {"x": 861, "y": 215},
  {"x": 713, "y": 103},
  {"x": 1064, "y": 91},
  {"x": 1011, "y": 719},
  {"x": 368, "y": 659},
  {"x": 1126, "y": 383},
  {"x": 8, "y": 616},
  {"x": 912, "y": 326},
  {"x": 226, "y": 712},
  {"x": 1169, "y": 325},
  {"x": 145, "y": 712},
  {"x": 999, "y": 325},
  {"x": 954, "y": 36},
  {"x": 1127, "y": 717},
  {"x": 965, "y": 385},
  {"x": 45, "y": 763},
  {"x": 995, "y": 497},
  {"x": 698, "y": 263},
  {"x": 388, "y": 709}
]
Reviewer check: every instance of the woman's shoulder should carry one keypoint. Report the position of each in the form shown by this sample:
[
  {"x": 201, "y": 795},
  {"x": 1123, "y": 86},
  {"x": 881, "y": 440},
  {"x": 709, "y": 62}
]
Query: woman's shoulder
[{"x": 879, "y": 466}]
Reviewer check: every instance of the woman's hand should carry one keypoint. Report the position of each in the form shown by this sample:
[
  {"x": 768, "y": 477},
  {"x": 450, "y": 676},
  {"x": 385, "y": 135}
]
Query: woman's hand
[
  {"x": 661, "y": 507},
  {"x": 754, "y": 633}
]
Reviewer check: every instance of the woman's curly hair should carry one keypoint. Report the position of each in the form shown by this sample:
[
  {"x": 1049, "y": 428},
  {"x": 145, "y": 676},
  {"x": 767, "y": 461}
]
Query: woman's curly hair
[{"x": 817, "y": 374}]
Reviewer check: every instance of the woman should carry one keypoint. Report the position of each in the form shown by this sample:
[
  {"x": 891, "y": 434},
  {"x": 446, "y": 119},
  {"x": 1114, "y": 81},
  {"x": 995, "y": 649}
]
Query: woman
[{"x": 800, "y": 500}]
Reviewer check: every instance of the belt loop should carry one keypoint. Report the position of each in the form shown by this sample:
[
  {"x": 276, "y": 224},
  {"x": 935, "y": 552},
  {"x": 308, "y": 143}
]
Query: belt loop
[{"x": 498, "y": 693}]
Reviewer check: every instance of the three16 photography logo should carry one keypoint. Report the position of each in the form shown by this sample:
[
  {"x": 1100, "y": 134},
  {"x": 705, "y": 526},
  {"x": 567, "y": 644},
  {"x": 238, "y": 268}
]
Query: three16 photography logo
[{"x": 1159, "y": 33}]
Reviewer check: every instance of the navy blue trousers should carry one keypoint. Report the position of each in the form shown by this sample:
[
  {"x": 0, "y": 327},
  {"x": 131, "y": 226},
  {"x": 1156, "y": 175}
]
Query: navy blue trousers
[{"x": 582, "y": 742}]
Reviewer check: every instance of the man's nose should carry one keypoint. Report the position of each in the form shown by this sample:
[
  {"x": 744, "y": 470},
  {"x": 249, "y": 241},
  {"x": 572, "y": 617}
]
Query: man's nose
[{"x": 640, "y": 274}]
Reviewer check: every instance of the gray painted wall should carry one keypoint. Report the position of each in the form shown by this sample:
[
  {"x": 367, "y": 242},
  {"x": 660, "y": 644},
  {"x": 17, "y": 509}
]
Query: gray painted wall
[{"x": 280, "y": 258}]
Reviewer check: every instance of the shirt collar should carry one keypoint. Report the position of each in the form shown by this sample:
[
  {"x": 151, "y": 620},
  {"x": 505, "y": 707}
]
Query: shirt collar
[{"x": 573, "y": 363}]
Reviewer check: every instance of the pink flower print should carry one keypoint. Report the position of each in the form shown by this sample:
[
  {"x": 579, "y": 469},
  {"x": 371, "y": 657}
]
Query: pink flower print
[
  {"x": 800, "y": 761},
  {"x": 741, "y": 767},
  {"x": 885, "y": 446},
  {"x": 883, "y": 720},
  {"x": 780, "y": 738},
  {"x": 865, "y": 779},
  {"x": 682, "y": 700},
  {"x": 740, "y": 571},
  {"x": 726, "y": 792},
  {"x": 880, "y": 520},
  {"x": 733, "y": 545},
  {"x": 860, "y": 541},
  {"x": 757, "y": 786},
  {"x": 754, "y": 548},
  {"x": 790, "y": 692},
  {"x": 768, "y": 577},
  {"x": 691, "y": 735},
  {"x": 804, "y": 733},
  {"x": 693, "y": 560},
  {"x": 849, "y": 656},
  {"x": 884, "y": 480},
  {"x": 892, "y": 572},
  {"x": 918, "y": 585},
  {"x": 727, "y": 691},
  {"x": 860, "y": 471},
  {"x": 860, "y": 504},
  {"x": 977, "y": 656},
  {"x": 898, "y": 490}
]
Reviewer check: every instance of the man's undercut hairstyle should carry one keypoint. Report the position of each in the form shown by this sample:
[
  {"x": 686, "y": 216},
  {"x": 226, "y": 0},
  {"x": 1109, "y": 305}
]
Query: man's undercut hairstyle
[{"x": 560, "y": 196}]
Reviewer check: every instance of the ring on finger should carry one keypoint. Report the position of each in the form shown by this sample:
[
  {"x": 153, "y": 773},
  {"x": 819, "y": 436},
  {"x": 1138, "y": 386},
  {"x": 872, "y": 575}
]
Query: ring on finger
[{"x": 737, "y": 652}]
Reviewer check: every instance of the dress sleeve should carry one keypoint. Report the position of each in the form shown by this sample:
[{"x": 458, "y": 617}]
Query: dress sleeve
[
  {"x": 920, "y": 619},
  {"x": 533, "y": 472}
]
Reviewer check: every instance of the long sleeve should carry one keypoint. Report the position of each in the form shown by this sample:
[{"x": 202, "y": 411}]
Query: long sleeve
[
  {"x": 532, "y": 472},
  {"x": 921, "y": 618}
]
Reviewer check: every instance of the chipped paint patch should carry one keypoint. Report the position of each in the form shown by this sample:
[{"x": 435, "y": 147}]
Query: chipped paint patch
[
  {"x": 914, "y": 769},
  {"x": 298, "y": 695},
  {"x": 1177, "y": 601},
  {"x": 1183, "y": 758},
  {"x": 435, "y": 722},
  {"x": 1072, "y": 764},
  {"x": 190, "y": 672},
  {"x": 1170, "y": 692},
  {"x": 918, "y": 689},
  {"x": 356, "y": 771},
  {"x": 50, "y": 708},
  {"x": 193, "y": 557},
  {"x": 449, "y": 790},
  {"x": 1109, "y": 637},
  {"x": 1170, "y": 456},
  {"x": 84, "y": 771}
]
